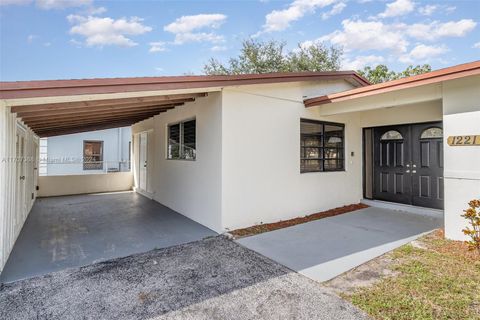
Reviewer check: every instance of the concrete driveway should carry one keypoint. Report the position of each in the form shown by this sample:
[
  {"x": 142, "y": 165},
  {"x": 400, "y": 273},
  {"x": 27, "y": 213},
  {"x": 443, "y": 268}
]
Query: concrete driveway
[
  {"x": 324, "y": 249},
  {"x": 72, "y": 231},
  {"x": 210, "y": 279}
]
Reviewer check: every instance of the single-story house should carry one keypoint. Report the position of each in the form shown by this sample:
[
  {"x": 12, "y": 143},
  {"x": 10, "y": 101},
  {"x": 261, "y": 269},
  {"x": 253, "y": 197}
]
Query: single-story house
[{"x": 234, "y": 151}]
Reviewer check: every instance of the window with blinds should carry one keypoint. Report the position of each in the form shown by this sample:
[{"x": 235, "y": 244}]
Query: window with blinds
[
  {"x": 182, "y": 140},
  {"x": 321, "y": 146}
]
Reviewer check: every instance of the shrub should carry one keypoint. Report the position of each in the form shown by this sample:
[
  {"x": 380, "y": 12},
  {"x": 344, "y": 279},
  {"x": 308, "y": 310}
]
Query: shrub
[{"x": 473, "y": 231}]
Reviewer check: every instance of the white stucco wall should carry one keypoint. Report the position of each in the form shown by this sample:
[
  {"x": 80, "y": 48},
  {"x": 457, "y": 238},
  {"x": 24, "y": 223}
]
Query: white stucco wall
[
  {"x": 261, "y": 179},
  {"x": 461, "y": 107},
  {"x": 84, "y": 183},
  {"x": 192, "y": 188},
  {"x": 65, "y": 153}
]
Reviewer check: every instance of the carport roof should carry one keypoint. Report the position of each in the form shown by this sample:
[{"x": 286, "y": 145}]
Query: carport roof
[
  {"x": 57, "y": 107},
  {"x": 455, "y": 72}
]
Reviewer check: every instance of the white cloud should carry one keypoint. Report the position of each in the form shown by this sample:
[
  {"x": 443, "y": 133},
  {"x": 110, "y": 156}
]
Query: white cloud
[
  {"x": 359, "y": 62},
  {"x": 159, "y": 69},
  {"x": 187, "y": 24},
  {"x": 476, "y": 45},
  {"x": 427, "y": 10},
  {"x": 396, "y": 37},
  {"x": 218, "y": 48},
  {"x": 423, "y": 52},
  {"x": 47, "y": 44},
  {"x": 336, "y": 9},
  {"x": 62, "y": 4},
  {"x": 398, "y": 8},
  {"x": 436, "y": 30},
  {"x": 187, "y": 28},
  {"x": 279, "y": 20},
  {"x": 367, "y": 35},
  {"x": 158, "y": 46},
  {"x": 107, "y": 31}
]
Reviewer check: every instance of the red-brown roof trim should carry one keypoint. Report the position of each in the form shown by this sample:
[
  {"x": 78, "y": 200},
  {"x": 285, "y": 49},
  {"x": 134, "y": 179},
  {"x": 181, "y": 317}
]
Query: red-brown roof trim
[
  {"x": 455, "y": 72},
  {"x": 44, "y": 88}
]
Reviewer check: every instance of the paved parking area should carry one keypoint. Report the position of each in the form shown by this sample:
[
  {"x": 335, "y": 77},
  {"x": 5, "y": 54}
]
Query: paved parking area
[
  {"x": 214, "y": 278},
  {"x": 71, "y": 231},
  {"x": 325, "y": 248}
]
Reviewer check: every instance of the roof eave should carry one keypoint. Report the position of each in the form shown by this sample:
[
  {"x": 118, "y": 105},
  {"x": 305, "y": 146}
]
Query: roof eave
[
  {"x": 49, "y": 88},
  {"x": 451, "y": 73}
]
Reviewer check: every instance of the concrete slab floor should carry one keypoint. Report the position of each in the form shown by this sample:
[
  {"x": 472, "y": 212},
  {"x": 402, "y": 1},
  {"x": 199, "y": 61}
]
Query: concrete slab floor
[
  {"x": 324, "y": 249},
  {"x": 72, "y": 231}
]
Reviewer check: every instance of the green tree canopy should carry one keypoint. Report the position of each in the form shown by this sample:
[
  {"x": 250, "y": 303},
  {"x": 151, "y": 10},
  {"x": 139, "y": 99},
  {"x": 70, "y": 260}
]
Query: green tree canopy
[
  {"x": 381, "y": 73},
  {"x": 271, "y": 56}
]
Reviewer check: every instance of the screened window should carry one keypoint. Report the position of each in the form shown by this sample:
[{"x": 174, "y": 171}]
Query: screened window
[
  {"x": 182, "y": 140},
  {"x": 92, "y": 155},
  {"x": 321, "y": 146}
]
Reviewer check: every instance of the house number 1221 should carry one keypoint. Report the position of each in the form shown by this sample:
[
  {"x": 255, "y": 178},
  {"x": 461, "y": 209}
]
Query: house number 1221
[{"x": 471, "y": 140}]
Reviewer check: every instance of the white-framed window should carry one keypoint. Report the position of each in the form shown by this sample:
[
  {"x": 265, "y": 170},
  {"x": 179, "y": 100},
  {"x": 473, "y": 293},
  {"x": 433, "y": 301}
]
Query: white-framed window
[{"x": 181, "y": 142}]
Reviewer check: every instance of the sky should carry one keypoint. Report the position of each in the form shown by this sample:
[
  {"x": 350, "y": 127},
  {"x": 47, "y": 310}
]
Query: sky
[{"x": 76, "y": 39}]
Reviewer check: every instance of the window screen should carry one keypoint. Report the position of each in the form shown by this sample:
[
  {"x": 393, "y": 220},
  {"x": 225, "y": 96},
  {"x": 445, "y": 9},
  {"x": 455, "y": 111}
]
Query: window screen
[
  {"x": 321, "y": 146},
  {"x": 182, "y": 140}
]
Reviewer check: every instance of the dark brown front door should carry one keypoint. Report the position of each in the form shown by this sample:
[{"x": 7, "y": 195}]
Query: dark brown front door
[{"x": 408, "y": 164}]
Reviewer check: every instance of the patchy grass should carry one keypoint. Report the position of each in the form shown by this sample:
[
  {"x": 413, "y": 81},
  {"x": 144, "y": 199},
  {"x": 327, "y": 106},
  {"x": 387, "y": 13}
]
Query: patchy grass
[
  {"x": 261, "y": 228},
  {"x": 440, "y": 279}
]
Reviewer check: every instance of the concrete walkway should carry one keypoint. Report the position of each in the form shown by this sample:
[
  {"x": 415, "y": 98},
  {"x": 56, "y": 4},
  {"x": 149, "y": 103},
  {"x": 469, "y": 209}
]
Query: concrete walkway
[
  {"x": 71, "y": 231},
  {"x": 324, "y": 249},
  {"x": 209, "y": 279}
]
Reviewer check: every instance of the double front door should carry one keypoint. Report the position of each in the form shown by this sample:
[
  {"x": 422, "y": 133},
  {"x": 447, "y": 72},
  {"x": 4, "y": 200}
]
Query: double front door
[{"x": 408, "y": 164}]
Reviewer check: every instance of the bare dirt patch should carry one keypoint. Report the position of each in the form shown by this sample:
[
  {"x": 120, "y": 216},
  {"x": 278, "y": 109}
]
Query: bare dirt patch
[
  {"x": 365, "y": 275},
  {"x": 261, "y": 228}
]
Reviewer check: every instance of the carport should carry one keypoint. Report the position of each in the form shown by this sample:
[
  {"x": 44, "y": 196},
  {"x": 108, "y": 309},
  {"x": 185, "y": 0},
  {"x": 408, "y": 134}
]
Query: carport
[
  {"x": 72, "y": 231},
  {"x": 77, "y": 219}
]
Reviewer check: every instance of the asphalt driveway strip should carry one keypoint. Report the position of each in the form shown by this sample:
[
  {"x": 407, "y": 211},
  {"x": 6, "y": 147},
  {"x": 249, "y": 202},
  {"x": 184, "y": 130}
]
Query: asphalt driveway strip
[{"x": 213, "y": 278}]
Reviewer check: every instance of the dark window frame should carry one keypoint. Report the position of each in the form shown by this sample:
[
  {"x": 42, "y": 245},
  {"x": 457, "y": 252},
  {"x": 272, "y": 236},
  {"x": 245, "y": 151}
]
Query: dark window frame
[
  {"x": 93, "y": 165},
  {"x": 340, "y": 158},
  {"x": 181, "y": 153}
]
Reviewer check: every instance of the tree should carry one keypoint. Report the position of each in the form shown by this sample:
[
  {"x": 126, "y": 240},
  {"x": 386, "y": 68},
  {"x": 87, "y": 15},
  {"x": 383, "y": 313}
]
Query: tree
[
  {"x": 270, "y": 56},
  {"x": 381, "y": 73}
]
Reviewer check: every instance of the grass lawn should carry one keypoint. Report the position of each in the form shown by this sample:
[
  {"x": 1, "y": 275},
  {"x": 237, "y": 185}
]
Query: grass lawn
[{"x": 433, "y": 279}]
